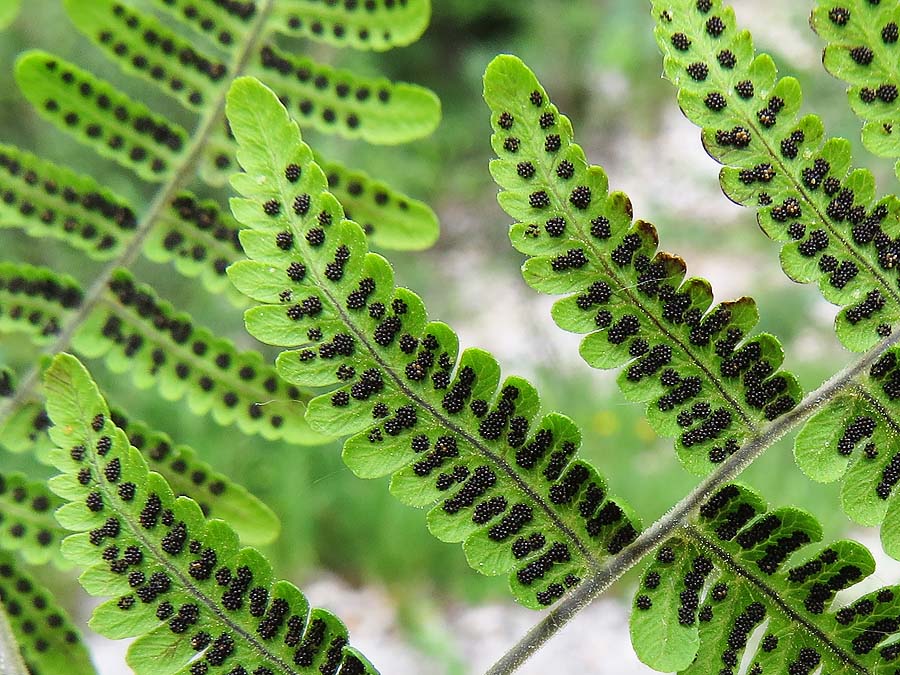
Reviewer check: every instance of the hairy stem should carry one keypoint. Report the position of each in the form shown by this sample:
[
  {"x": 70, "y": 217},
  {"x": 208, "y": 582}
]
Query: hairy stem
[
  {"x": 158, "y": 206},
  {"x": 677, "y": 516},
  {"x": 11, "y": 662}
]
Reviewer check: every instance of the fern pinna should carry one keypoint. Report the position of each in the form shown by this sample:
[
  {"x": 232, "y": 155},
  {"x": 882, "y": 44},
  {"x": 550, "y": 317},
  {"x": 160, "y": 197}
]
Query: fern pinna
[
  {"x": 190, "y": 52},
  {"x": 499, "y": 478},
  {"x": 195, "y": 600},
  {"x": 725, "y": 591},
  {"x": 833, "y": 230}
]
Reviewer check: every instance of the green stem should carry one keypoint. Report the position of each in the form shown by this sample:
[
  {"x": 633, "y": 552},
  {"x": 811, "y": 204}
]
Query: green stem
[
  {"x": 615, "y": 567},
  {"x": 157, "y": 209}
]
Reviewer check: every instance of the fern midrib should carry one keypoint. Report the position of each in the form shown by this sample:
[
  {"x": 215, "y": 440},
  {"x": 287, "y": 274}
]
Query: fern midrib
[
  {"x": 164, "y": 561},
  {"x": 157, "y": 208},
  {"x": 801, "y": 190},
  {"x": 322, "y": 286},
  {"x": 700, "y": 538},
  {"x": 635, "y": 300}
]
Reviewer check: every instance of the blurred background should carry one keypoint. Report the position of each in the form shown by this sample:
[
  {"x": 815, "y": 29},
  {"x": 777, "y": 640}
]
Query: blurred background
[{"x": 411, "y": 602}]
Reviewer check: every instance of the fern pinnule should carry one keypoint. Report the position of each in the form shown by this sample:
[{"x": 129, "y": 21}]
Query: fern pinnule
[
  {"x": 180, "y": 584},
  {"x": 496, "y": 474},
  {"x": 361, "y": 25},
  {"x": 26, "y": 511},
  {"x": 44, "y": 633},
  {"x": 861, "y": 49},
  {"x": 735, "y": 569},
  {"x": 824, "y": 213},
  {"x": 706, "y": 380}
]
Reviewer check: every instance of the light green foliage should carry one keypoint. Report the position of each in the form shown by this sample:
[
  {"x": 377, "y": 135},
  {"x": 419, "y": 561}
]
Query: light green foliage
[
  {"x": 35, "y": 300},
  {"x": 216, "y": 494},
  {"x": 48, "y": 641},
  {"x": 49, "y": 200},
  {"x": 9, "y": 10},
  {"x": 737, "y": 569},
  {"x": 201, "y": 240},
  {"x": 824, "y": 213},
  {"x": 854, "y": 439},
  {"x": 178, "y": 66},
  {"x": 365, "y": 24},
  {"x": 179, "y": 583},
  {"x": 705, "y": 380},
  {"x": 27, "y": 523},
  {"x": 496, "y": 475},
  {"x": 137, "y": 333},
  {"x": 861, "y": 49},
  {"x": 97, "y": 114}
]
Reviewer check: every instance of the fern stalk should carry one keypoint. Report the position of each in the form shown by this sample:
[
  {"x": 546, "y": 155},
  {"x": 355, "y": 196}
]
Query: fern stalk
[
  {"x": 676, "y": 518},
  {"x": 10, "y": 659},
  {"x": 93, "y": 296}
]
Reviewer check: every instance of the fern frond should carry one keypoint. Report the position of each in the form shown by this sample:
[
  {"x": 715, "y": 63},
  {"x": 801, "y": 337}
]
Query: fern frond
[
  {"x": 134, "y": 331},
  {"x": 499, "y": 478},
  {"x": 49, "y": 200},
  {"x": 179, "y": 583},
  {"x": 854, "y": 440},
  {"x": 733, "y": 572},
  {"x": 861, "y": 49},
  {"x": 144, "y": 47},
  {"x": 24, "y": 430},
  {"x": 706, "y": 380},
  {"x": 200, "y": 240},
  {"x": 361, "y": 24},
  {"x": 825, "y": 214},
  {"x": 35, "y": 300},
  {"x": 97, "y": 114},
  {"x": 47, "y": 639},
  {"x": 215, "y": 493},
  {"x": 26, "y": 516}
]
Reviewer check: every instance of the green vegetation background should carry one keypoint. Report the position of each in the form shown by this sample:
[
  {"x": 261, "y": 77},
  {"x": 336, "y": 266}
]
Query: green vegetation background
[{"x": 599, "y": 61}]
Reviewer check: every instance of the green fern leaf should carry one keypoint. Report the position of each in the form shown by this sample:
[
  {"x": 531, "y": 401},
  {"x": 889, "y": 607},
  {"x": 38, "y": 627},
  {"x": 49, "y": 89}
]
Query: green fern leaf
[
  {"x": 808, "y": 197},
  {"x": 733, "y": 572},
  {"x": 705, "y": 381},
  {"x": 390, "y": 219},
  {"x": 97, "y": 114},
  {"x": 201, "y": 240},
  {"x": 861, "y": 49},
  {"x": 179, "y": 583},
  {"x": 136, "y": 332},
  {"x": 362, "y": 24},
  {"x": 143, "y": 46},
  {"x": 222, "y": 23},
  {"x": 216, "y": 494},
  {"x": 23, "y": 431},
  {"x": 339, "y": 101},
  {"x": 49, "y": 200},
  {"x": 499, "y": 478},
  {"x": 35, "y": 300},
  {"x": 854, "y": 439},
  {"x": 48, "y": 640},
  {"x": 26, "y": 513}
]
